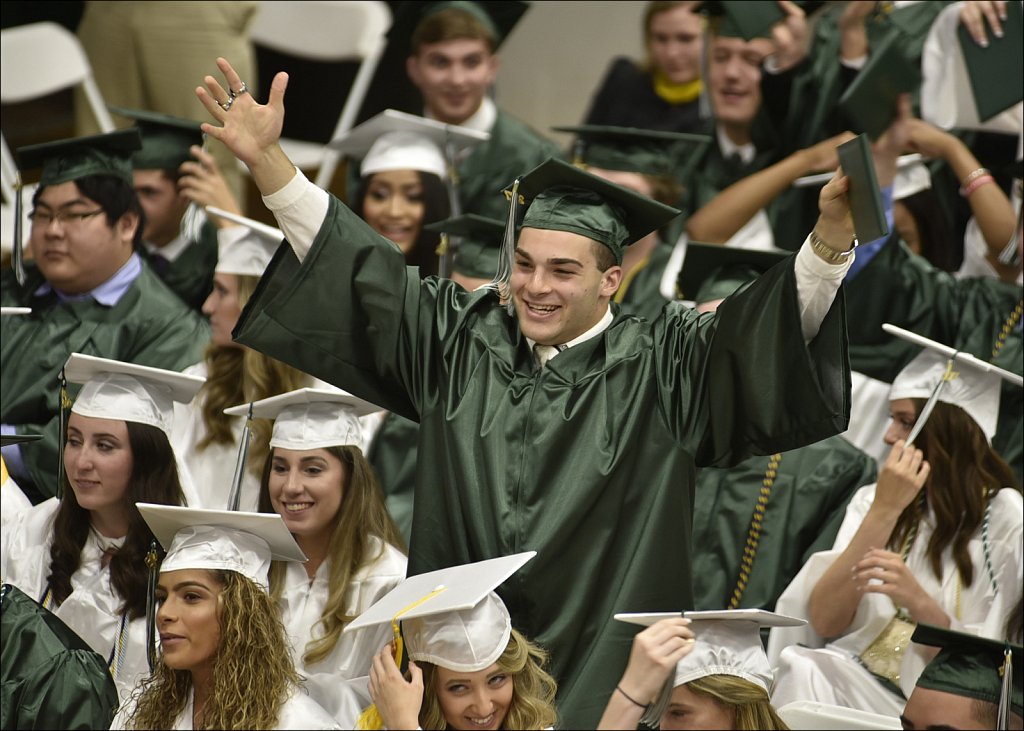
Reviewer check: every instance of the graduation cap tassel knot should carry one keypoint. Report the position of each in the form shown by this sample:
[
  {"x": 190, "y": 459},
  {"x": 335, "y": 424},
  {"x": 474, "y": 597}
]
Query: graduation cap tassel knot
[
  {"x": 65, "y": 404},
  {"x": 1005, "y": 689},
  {"x": 243, "y": 457},
  {"x": 502, "y": 277},
  {"x": 17, "y": 254},
  {"x": 152, "y": 558}
]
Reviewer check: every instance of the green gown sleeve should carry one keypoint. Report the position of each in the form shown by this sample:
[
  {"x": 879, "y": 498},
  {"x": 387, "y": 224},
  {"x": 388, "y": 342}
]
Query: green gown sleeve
[
  {"x": 149, "y": 326},
  {"x": 51, "y": 678},
  {"x": 590, "y": 461},
  {"x": 803, "y": 506}
]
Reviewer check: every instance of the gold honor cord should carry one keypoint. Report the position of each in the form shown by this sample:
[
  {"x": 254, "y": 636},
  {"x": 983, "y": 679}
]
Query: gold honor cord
[
  {"x": 754, "y": 534},
  {"x": 235, "y": 496},
  {"x": 152, "y": 559},
  {"x": 1004, "y": 331},
  {"x": 948, "y": 376}
]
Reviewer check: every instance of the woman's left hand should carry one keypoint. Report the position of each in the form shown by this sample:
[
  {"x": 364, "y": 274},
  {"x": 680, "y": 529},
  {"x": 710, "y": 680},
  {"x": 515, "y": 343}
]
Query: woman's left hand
[
  {"x": 398, "y": 700},
  {"x": 894, "y": 579}
]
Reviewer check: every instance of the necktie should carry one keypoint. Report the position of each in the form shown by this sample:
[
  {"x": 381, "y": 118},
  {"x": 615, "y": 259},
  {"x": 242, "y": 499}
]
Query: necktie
[{"x": 543, "y": 353}]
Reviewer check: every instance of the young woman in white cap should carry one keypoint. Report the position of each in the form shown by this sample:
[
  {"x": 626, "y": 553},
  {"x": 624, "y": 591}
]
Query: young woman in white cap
[
  {"x": 318, "y": 480},
  {"x": 204, "y": 435},
  {"x": 938, "y": 540},
  {"x": 696, "y": 670},
  {"x": 223, "y": 661},
  {"x": 83, "y": 555},
  {"x": 468, "y": 667}
]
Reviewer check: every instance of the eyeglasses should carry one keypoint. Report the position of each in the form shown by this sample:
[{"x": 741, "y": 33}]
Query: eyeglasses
[{"x": 67, "y": 219}]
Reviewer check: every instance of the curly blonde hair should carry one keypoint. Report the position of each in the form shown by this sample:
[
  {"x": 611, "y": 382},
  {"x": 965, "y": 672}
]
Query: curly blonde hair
[
  {"x": 748, "y": 702},
  {"x": 533, "y": 689},
  {"x": 253, "y": 673},
  {"x": 238, "y": 375},
  {"x": 362, "y": 514}
]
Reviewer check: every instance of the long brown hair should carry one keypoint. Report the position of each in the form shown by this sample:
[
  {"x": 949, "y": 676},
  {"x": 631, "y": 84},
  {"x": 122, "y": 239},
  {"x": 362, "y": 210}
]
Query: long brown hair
[
  {"x": 362, "y": 514},
  {"x": 253, "y": 674},
  {"x": 533, "y": 689},
  {"x": 965, "y": 474},
  {"x": 154, "y": 479},
  {"x": 749, "y": 703},
  {"x": 238, "y": 375}
]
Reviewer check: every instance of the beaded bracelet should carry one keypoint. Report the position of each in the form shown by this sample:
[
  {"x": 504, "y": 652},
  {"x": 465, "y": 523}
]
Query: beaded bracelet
[
  {"x": 971, "y": 177},
  {"x": 975, "y": 184}
]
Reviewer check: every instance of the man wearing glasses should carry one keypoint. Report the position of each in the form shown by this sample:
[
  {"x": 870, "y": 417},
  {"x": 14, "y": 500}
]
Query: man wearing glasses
[{"x": 88, "y": 290}]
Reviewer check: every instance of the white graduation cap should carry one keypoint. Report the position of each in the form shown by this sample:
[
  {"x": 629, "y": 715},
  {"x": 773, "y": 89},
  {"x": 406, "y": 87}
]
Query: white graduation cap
[
  {"x": 942, "y": 373},
  {"x": 230, "y": 540},
  {"x": 15, "y": 310},
  {"x": 728, "y": 642},
  {"x": 245, "y": 255},
  {"x": 800, "y": 715},
  {"x": 394, "y": 140},
  {"x": 311, "y": 418},
  {"x": 450, "y": 617},
  {"x": 114, "y": 389},
  {"x": 910, "y": 180}
]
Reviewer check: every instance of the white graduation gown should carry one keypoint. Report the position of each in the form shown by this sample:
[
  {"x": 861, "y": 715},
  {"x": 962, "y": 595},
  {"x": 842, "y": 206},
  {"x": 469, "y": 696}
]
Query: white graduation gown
[
  {"x": 832, "y": 674},
  {"x": 299, "y": 712},
  {"x": 92, "y": 609},
  {"x": 302, "y": 602}
]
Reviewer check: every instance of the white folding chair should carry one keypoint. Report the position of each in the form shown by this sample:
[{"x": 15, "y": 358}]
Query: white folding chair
[
  {"x": 38, "y": 59},
  {"x": 339, "y": 30}
]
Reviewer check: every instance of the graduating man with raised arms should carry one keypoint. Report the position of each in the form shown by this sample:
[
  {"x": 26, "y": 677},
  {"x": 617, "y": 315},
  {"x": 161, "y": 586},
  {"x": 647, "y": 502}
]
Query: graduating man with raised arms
[{"x": 585, "y": 452}]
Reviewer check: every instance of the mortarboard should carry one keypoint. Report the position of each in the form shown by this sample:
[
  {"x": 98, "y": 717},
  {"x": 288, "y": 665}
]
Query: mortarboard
[
  {"x": 712, "y": 272},
  {"x": 634, "y": 150},
  {"x": 941, "y": 373},
  {"x": 311, "y": 418},
  {"x": 166, "y": 140},
  {"x": 746, "y": 19},
  {"x": 974, "y": 667},
  {"x": 561, "y": 197},
  {"x": 869, "y": 103},
  {"x": 995, "y": 72},
  {"x": 249, "y": 255},
  {"x": 15, "y": 310},
  {"x": 910, "y": 180},
  {"x": 197, "y": 538},
  {"x": 450, "y": 617},
  {"x": 728, "y": 642},
  {"x": 477, "y": 256},
  {"x": 114, "y": 389},
  {"x": 394, "y": 140},
  {"x": 497, "y": 17}
]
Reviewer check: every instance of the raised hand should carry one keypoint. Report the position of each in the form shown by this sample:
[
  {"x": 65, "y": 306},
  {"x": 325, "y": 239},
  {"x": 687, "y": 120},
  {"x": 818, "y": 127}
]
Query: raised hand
[
  {"x": 653, "y": 658},
  {"x": 398, "y": 700},
  {"x": 202, "y": 183},
  {"x": 901, "y": 478},
  {"x": 790, "y": 36},
  {"x": 975, "y": 14},
  {"x": 835, "y": 222}
]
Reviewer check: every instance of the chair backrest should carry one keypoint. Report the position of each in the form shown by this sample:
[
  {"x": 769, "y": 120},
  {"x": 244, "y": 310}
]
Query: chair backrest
[
  {"x": 42, "y": 58},
  {"x": 338, "y": 30}
]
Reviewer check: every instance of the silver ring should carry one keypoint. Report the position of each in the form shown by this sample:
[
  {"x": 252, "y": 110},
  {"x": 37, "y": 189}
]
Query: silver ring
[
  {"x": 243, "y": 90},
  {"x": 226, "y": 105}
]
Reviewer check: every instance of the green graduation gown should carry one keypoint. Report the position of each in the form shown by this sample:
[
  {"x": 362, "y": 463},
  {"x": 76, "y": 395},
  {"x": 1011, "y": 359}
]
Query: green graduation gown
[
  {"x": 51, "y": 677},
  {"x": 190, "y": 276},
  {"x": 805, "y": 505},
  {"x": 899, "y": 287},
  {"x": 149, "y": 325},
  {"x": 393, "y": 456},
  {"x": 641, "y": 294},
  {"x": 590, "y": 461}
]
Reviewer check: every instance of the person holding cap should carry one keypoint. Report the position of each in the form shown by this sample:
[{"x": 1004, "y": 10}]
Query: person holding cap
[
  {"x": 82, "y": 555},
  {"x": 521, "y": 445},
  {"x": 469, "y": 668},
  {"x": 695, "y": 670},
  {"x": 939, "y": 540},
  {"x": 206, "y": 437},
  {"x": 972, "y": 683},
  {"x": 89, "y": 291},
  {"x": 223, "y": 661},
  {"x": 317, "y": 479}
]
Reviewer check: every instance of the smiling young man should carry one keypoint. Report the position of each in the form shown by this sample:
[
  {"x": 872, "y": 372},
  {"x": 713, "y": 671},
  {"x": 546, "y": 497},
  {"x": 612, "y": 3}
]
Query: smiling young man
[
  {"x": 588, "y": 456},
  {"x": 89, "y": 292}
]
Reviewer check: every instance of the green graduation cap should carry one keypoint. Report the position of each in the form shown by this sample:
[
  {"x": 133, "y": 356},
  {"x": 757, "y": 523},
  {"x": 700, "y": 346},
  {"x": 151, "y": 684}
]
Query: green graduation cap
[
  {"x": 974, "y": 667},
  {"x": 480, "y": 236},
  {"x": 634, "y": 150},
  {"x": 713, "y": 272},
  {"x": 563, "y": 197},
  {"x": 165, "y": 139},
  {"x": 71, "y": 159},
  {"x": 746, "y": 19},
  {"x": 996, "y": 73},
  {"x": 498, "y": 17},
  {"x": 870, "y": 101}
]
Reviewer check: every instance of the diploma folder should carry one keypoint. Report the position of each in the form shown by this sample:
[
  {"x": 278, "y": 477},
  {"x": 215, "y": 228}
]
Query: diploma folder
[{"x": 865, "y": 197}]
